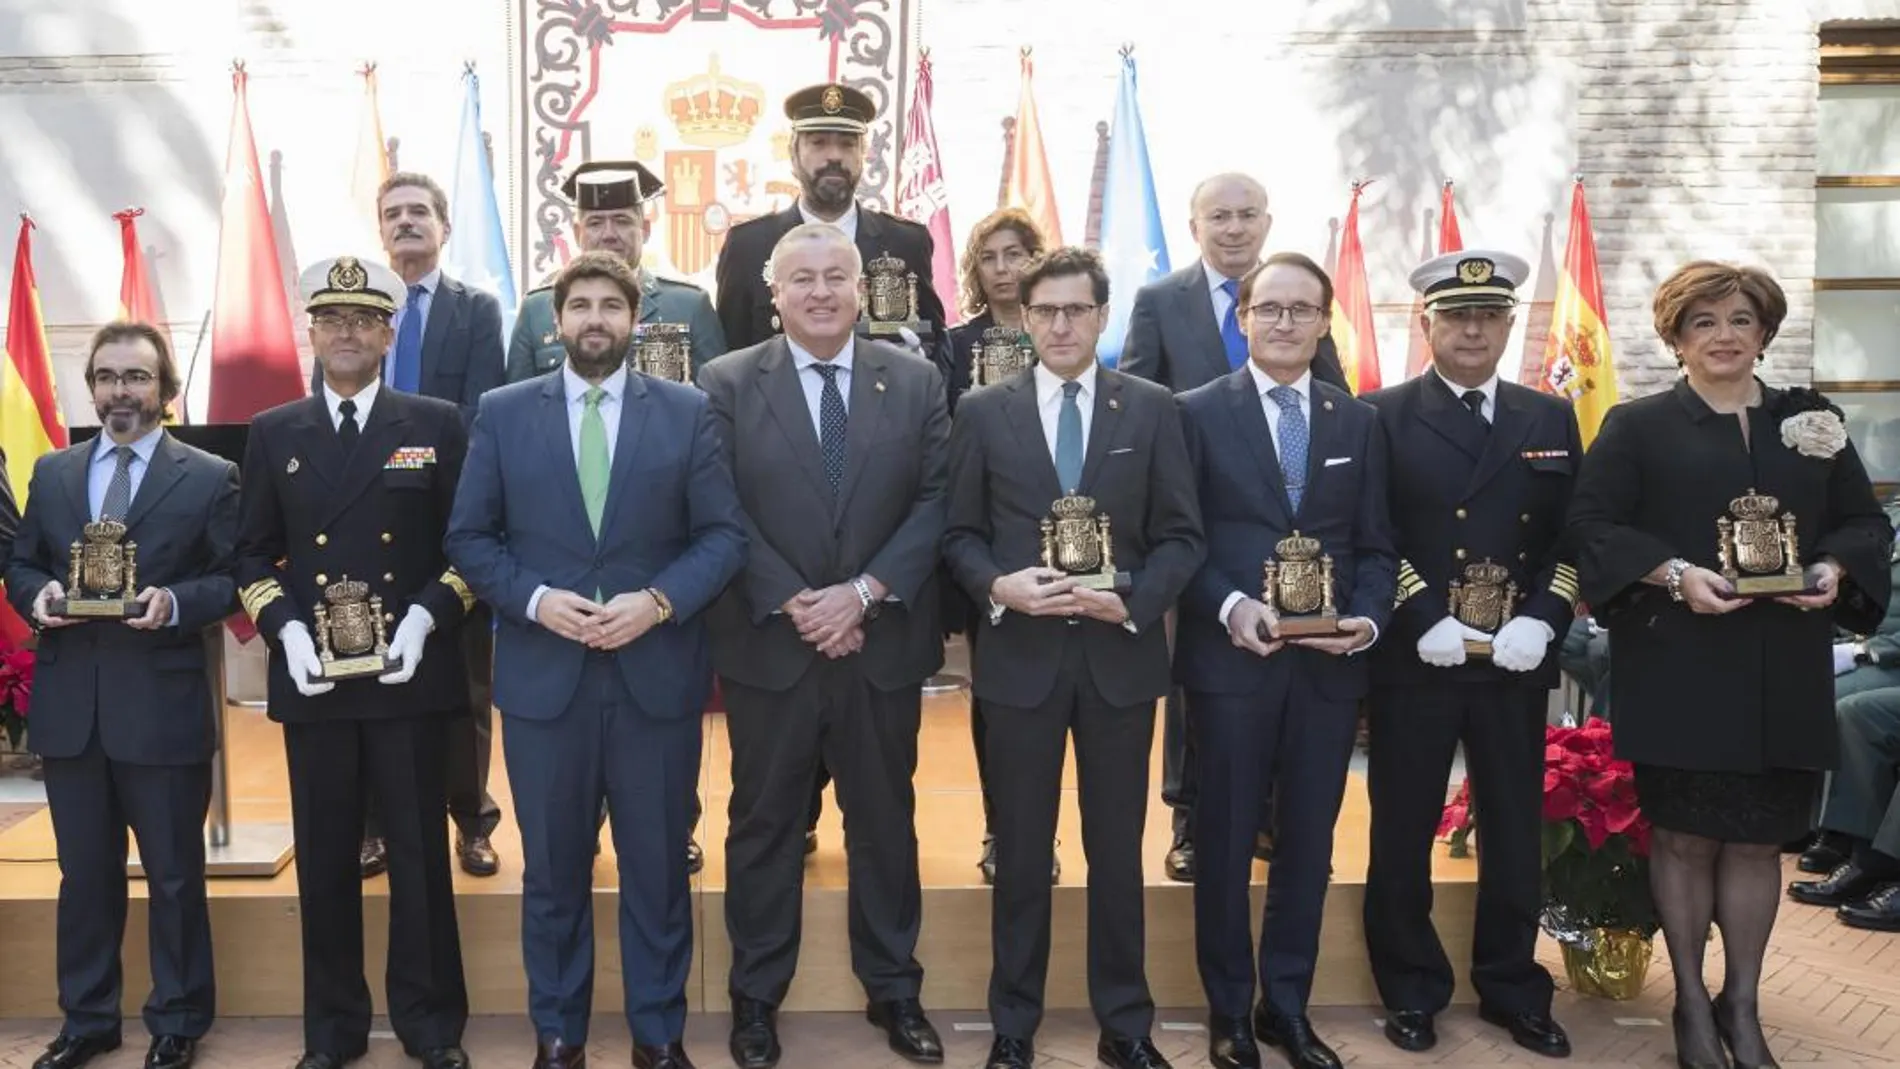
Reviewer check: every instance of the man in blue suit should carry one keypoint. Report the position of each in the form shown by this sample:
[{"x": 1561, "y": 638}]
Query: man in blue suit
[
  {"x": 598, "y": 516},
  {"x": 1276, "y": 454}
]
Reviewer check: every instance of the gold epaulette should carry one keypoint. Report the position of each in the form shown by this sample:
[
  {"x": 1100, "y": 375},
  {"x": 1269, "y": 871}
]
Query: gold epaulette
[
  {"x": 1410, "y": 585},
  {"x": 1564, "y": 584},
  {"x": 454, "y": 582},
  {"x": 259, "y": 594}
]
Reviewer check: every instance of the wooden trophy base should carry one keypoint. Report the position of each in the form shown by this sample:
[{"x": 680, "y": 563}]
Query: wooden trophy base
[
  {"x": 1119, "y": 582},
  {"x": 1313, "y": 625},
  {"x": 891, "y": 328},
  {"x": 96, "y": 608},
  {"x": 1770, "y": 586},
  {"x": 370, "y": 664},
  {"x": 1477, "y": 649}
]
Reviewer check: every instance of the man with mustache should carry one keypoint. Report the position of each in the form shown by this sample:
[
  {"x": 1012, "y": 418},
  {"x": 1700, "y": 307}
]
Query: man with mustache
[
  {"x": 123, "y": 715},
  {"x": 346, "y": 500},
  {"x": 597, "y": 515},
  {"x": 610, "y": 198}
]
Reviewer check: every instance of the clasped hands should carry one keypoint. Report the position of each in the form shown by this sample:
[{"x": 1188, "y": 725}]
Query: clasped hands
[
  {"x": 621, "y": 620},
  {"x": 157, "y": 602},
  {"x": 1049, "y": 592},
  {"x": 1253, "y": 626},
  {"x": 1707, "y": 592},
  {"x": 832, "y": 618}
]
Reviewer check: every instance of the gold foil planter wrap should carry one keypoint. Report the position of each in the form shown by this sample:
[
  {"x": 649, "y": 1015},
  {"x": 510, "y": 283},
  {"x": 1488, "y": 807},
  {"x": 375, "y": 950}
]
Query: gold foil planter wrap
[{"x": 1608, "y": 963}]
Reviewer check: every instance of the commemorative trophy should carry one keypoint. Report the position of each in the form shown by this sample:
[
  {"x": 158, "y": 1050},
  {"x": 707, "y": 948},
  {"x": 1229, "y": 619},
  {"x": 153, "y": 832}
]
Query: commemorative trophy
[
  {"x": 1076, "y": 540},
  {"x": 999, "y": 354},
  {"x": 103, "y": 577},
  {"x": 1299, "y": 588},
  {"x": 1761, "y": 558},
  {"x": 664, "y": 351},
  {"x": 350, "y": 638},
  {"x": 887, "y": 296},
  {"x": 1483, "y": 600}
]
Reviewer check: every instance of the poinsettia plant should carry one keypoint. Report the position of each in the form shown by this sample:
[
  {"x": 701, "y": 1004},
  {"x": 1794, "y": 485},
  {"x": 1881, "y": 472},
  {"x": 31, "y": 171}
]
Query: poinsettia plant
[
  {"x": 16, "y": 690},
  {"x": 1596, "y": 839},
  {"x": 1457, "y": 823}
]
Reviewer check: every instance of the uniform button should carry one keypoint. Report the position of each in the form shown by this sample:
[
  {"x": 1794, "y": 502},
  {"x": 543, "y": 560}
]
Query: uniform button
[
  {"x": 389, "y": 617},
  {"x": 1460, "y": 554},
  {"x": 323, "y": 540},
  {"x": 388, "y": 538},
  {"x": 389, "y": 577},
  {"x": 1525, "y": 518},
  {"x": 1461, "y": 514},
  {"x": 322, "y": 579},
  {"x": 1523, "y": 556}
]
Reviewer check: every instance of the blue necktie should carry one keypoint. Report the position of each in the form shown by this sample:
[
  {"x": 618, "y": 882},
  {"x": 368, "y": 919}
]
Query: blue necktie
[
  {"x": 1293, "y": 442},
  {"x": 1230, "y": 334},
  {"x": 405, "y": 371},
  {"x": 1069, "y": 440},
  {"x": 831, "y": 426}
]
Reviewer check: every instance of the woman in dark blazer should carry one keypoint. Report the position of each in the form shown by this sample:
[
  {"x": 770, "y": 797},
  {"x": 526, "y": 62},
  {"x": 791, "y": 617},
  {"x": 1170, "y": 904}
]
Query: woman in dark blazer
[
  {"x": 1724, "y": 704},
  {"x": 1000, "y": 246}
]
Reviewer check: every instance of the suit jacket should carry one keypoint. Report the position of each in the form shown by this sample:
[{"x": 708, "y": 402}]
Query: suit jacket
[
  {"x": 745, "y": 298},
  {"x": 1174, "y": 339},
  {"x": 1460, "y": 495},
  {"x": 313, "y": 515},
  {"x": 144, "y": 692},
  {"x": 887, "y": 521},
  {"x": 671, "y": 522},
  {"x": 1245, "y": 509},
  {"x": 536, "y": 348},
  {"x": 1883, "y": 645},
  {"x": 1002, "y": 481},
  {"x": 461, "y": 347}
]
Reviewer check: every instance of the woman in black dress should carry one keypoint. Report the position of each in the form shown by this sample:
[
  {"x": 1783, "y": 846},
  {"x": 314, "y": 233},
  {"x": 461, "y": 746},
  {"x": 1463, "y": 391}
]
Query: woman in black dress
[
  {"x": 1724, "y": 704},
  {"x": 999, "y": 247}
]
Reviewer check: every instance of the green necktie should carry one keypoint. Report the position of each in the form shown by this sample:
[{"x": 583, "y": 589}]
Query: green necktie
[{"x": 594, "y": 463}]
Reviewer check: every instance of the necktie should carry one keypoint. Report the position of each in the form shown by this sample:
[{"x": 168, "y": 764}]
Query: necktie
[
  {"x": 405, "y": 371},
  {"x": 118, "y": 499},
  {"x": 594, "y": 462},
  {"x": 1293, "y": 442},
  {"x": 1230, "y": 335},
  {"x": 347, "y": 430},
  {"x": 1474, "y": 400},
  {"x": 831, "y": 426},
  {"x": 1069, "y": 440}
]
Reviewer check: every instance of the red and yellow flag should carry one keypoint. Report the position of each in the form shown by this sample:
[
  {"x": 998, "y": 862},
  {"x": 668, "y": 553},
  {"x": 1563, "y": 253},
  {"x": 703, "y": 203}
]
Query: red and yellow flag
[
  {"x": 1449, "y": 240},
  {"x": 1352, "y": 307},
  {"x": 1029, "y": 186},
  {"x": 137, "y": 303},
  {"x": 370, "y": 166},
  {"x": 31, "y": 423},
  {"x": 1577, "y": 359}
]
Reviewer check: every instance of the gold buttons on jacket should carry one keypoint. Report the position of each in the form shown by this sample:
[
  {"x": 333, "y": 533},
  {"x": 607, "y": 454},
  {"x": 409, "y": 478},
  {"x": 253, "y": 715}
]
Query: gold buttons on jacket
[
  {"x": 323, "y": 540},
  {"x": 1461, "y": 514},
  {"x": 322, "y": 579},
  {"x": 389, "y": 617},
  {"x": 1459, "y": 553},
  {"x": 1523, "y": 556},
  {"x": 1525, "y": 518},
  {"x": 388, "y": 538},
  {"x": 389, "y": 577}
]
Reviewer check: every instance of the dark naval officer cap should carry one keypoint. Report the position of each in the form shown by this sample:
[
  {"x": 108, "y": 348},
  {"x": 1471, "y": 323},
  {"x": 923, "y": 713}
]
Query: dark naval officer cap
[
  {"x": 830, "y": 106},
  {"x": 1470, "y": 278},
  {"x": 609, "y": 185}
]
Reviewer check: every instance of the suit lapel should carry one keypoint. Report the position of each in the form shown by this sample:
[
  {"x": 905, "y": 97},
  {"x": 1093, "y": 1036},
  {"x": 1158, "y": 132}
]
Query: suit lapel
[
  {"x": 1026, "y": 421},
  {"x": 444, "y": 307},
  {"x": 382, "y": 433},
  {"x": 1447, "y": 416},
  {"x": 316, "y": 442},
  {"x": 72, "y": 476},
  {"x": 785, "y": 399},
  {"x": 633, "y": 421},
  {"x": 557, "y": 445},
  {"x": 868, "y": 367},
  {"x": 1509, "y": 426},
  {"x": 165, "y": 470},
  {"x": 1104, "y": 423},
  {"x": 1243, "y": 403},
  {"x": 1198, "y": 310},
  {"x": 1323, "y": 424}
]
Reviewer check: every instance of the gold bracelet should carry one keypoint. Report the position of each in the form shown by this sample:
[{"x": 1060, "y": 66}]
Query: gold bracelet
[{"x": 666, "y": 607}]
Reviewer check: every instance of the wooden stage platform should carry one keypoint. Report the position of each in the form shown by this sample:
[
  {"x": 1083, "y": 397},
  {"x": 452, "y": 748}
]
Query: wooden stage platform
[{"x": 255, "y": 919}]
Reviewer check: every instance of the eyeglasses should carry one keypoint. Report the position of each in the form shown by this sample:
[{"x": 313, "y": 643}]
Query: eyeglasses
[
  {"x": 341, "y": 324},
  {"x": 1044, "y": 314},
  {"x": 135, "y": 378},
  {"x": 1304, "y": 315}
]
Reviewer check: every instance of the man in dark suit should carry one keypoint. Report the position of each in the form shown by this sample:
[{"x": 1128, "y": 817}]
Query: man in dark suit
[
  {"x": 598, "y": 516},
  {"x": 346, "y": 498},
  {"x": 839, "y": 448},
  {"x": 1480, "y": 472},
  {"x": 122, "y": 708},
  {"x": 1061, "y": 657},
  {"x": 448, "y": 345},
  {"x": 1287, "y": 468}
]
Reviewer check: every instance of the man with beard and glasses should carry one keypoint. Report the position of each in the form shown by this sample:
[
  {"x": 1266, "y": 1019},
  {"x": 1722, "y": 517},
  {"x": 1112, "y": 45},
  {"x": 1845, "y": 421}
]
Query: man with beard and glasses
[
  {"x": 598, "y": 516},
  {"x": 346, "y": 499},
  {"x": 122, "y": 712},
  {"x": 610, "y": 199}
]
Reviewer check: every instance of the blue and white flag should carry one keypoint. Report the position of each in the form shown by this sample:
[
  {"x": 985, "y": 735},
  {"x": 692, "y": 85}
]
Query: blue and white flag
[
  {"x": 477, "y": 252},
  {"x": 1133, "y": 248}
]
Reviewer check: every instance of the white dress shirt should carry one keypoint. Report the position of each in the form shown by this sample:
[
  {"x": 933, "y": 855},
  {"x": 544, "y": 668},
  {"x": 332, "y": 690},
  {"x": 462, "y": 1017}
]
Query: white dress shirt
[
  {"x": 365, "y": 398},
  {"x": 428, "y": 282},
  {"x": 848, "y": 222},
  {"x": 813, "y": 383},
  {"x": 1049, "y": 404},
  {"x": 1222, "y": 302},
  {"x": 576, "y": 389},
  {"x": 1489, "y": 410},
  {"x": 99, "y": 477}
]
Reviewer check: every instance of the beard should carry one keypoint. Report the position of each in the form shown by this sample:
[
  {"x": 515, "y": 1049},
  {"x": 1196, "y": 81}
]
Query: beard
[
  {"x": 830, "y": 189},
  {"x": 593, "y": 361},
  {"x": 125, "y": 415}
]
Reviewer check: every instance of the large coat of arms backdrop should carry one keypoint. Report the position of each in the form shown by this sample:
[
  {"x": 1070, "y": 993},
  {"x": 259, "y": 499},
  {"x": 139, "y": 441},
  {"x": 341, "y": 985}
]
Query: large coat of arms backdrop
[{"x": 694, "y": 90}]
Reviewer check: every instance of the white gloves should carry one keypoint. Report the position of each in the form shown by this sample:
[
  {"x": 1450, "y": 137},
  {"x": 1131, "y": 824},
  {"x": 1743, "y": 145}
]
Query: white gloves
[
  {"x": 1843, "y": 658},
  {"x": 911, "y": 341},
  {"x": 300, "y": 660},
  {"x": 406, "y": 647},
  {"x": 1521, "y": 643},
  {"x": 1444, "y": 645}
]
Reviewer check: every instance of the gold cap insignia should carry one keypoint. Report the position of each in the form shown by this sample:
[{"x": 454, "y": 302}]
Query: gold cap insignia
[
  {"x": 832, "y": 100},
  {"x": 1475, "y": 271},
  {"x": 347, "y": 274}
]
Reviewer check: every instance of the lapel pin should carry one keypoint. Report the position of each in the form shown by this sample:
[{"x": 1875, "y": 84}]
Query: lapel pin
[
  {"x": 880, "y": 386},
  {"x": 291, "y": 468},
  {"x": 1114, "y": 404},
  {"x": 1328, "y": 406}
]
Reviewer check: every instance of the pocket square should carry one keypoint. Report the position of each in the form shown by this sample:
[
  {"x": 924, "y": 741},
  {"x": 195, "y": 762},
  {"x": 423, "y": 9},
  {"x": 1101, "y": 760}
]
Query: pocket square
[
  {"x": 1336, "y": 461},
  {"x": 1123, "y": 449}
]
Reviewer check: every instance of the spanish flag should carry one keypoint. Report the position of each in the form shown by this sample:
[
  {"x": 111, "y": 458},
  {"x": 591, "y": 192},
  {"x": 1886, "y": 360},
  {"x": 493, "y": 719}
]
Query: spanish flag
[
  {"x": 1449, "y": 240},
  {"x": 31, "y": 424},
  {"x": 1577, "y": 362},
  {"x": 370, "y": 166},
  {"x": 1029, "y": 186},
  {"x": 1352, "y": 307}
]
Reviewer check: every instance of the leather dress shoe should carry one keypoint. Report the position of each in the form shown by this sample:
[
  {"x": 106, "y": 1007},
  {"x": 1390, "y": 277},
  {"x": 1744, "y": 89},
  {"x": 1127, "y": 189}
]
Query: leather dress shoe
[
  {"x": 171, "y": 1052},
  {"x": 1411, "y": 1030},
  {"x": 477, "y": 855},
  {"x": 669, "y": 1056},
  {"x": 1129, "y": 1054},
  {"x": 323, "y": 1059},
  {"x": 449, "y": 1057},
  {"x": 754, "y": 1039},
  {"x": 1847, "y": 883},
  {"x": 1878, "y": 912},
  {"x": 911, "y": 1033},
  {"x": 987, "y": 863},
  {"x": 1008, "y": 1052},
  {"x": 1827, "y": 853},
  {"x": 1295, "y": 1038},
  {"x": 1263, "y": 846},
  {"x": 1538, "y": 1033},
  {"x": 695, "y": 857},
  {"x": 1230, "y": 1043},
  {"x": 553, "y": 1052},
  {"x": 811, "y": 842},
  {"x": 68, "y": 1051},
  {"x": 374, "y": 858},
  {"x": 1180, "y": 860}
]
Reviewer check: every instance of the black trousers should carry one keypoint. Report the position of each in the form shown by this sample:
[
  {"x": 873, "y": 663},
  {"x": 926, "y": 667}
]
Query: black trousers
[
  {"x": 868, "y": 739},
  {"x": 1026, "y": 752},
  {"x": 333, "y": 766},
  {"x": 1414, "y": 732},
  {"x": 93, "y": 800},
  {"x": 471, "y": 738}
]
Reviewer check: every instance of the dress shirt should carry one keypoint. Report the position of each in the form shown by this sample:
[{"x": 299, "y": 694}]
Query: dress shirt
[
  {"x": 1489, "y": 387},
  {"x": 1049, "y": 403},
  {"x": 814, "y": 384},
  {"x": 428, "y": 283},
  {"x": 576, "y": 389},
  {"x": 848, "y": 222},
  {"x": 104, "y": 463},
  {"x": 365, "y": 398},
  {"x": 1215, "y": 280}
]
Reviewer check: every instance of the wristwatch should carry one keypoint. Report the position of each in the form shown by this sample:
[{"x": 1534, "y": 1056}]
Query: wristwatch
[
  {"x": 1672, "y": 578},
  {"x": 865, "y": 599}
]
